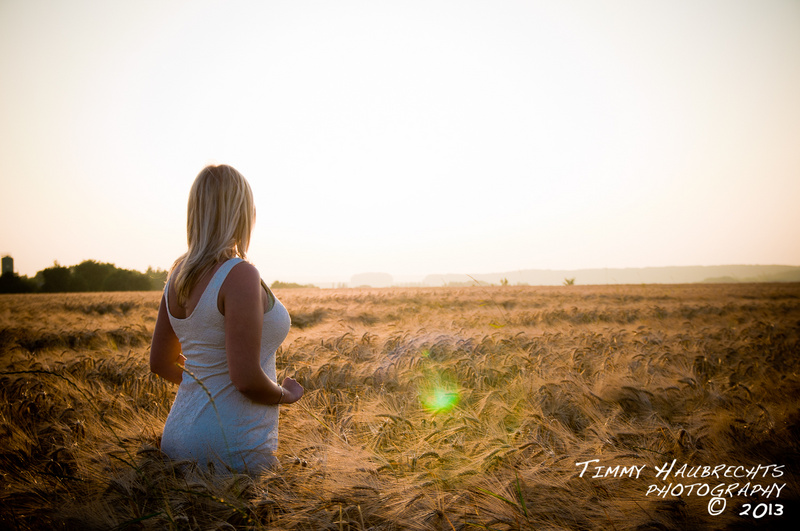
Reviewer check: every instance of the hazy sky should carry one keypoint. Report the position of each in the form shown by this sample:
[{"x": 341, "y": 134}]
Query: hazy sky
[{"x": 408, "y": 137}]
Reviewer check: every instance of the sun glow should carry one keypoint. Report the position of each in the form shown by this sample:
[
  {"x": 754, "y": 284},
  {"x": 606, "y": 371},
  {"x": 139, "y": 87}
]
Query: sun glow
[{"x": 440, "y": 400}]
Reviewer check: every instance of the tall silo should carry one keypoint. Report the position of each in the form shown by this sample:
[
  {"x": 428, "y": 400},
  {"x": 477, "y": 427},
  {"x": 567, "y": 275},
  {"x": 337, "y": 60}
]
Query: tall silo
[{"x": 8, "y": 265}]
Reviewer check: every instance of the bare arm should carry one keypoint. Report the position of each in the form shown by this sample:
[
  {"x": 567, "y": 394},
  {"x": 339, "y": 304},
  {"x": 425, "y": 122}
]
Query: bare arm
[
  {"x": 166, "y": 359},
  {"x": 244, "y": 315}
]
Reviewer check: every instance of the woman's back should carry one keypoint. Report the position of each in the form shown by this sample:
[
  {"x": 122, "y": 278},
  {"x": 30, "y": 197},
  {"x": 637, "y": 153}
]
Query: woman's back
[{"x": 210, "y": 420}]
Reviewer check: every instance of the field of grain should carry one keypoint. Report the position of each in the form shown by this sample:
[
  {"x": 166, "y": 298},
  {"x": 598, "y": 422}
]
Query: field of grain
[{"x": 443, "y": 408}]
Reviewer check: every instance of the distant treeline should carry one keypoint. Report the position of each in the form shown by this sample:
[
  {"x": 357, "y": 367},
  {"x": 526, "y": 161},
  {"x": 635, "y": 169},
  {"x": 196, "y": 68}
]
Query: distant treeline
[
  {"x": 290, "y": 285},
  {"x": 89, "y": 275}
]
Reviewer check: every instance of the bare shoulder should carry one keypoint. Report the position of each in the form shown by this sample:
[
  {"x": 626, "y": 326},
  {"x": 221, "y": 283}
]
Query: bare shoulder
[
  {"x": 243, "y": 274},
  {"x": 242, "y": 284}
]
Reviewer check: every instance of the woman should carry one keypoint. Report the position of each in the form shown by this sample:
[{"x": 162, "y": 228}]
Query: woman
[{"x": 217, "y": 331}]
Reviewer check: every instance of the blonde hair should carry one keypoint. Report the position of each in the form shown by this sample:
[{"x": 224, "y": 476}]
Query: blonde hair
[{"x": 219, "y": 221}]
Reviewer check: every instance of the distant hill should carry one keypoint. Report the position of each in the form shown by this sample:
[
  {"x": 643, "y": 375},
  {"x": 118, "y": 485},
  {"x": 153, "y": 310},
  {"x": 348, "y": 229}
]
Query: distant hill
[{"x": 644, "y": 275}]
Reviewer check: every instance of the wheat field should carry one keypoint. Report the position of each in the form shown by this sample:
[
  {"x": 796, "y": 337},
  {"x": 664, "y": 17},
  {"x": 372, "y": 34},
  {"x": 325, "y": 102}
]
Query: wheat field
[{"x": 645, "y": 407}]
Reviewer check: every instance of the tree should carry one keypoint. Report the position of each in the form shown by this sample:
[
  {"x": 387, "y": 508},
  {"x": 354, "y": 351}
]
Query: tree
[
  {"x": 90, "y": 275},
  {"x": 13, "y": 283},
  {"x": 56, "y": 279},
  {"x": 126, "y": 280},
  {"x": 157, "y": 277},
  {"x": 289, "y": 285}
]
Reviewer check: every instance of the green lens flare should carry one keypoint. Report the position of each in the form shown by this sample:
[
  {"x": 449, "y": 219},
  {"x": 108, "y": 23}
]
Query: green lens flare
[{"x": 440, "y": 400}]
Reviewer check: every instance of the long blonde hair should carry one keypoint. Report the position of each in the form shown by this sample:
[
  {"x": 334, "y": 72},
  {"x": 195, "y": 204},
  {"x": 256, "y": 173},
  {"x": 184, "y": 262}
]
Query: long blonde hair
[{"x": 219, "y": 221}]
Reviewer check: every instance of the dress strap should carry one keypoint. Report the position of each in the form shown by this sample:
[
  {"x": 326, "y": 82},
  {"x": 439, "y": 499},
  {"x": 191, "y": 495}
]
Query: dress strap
[{"x": 220, "y": 275}]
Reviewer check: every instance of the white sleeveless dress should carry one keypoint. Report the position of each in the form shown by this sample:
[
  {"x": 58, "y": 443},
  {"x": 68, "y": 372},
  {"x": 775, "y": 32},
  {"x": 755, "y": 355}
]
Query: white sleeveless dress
[{"x": 210, "y": 421}]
